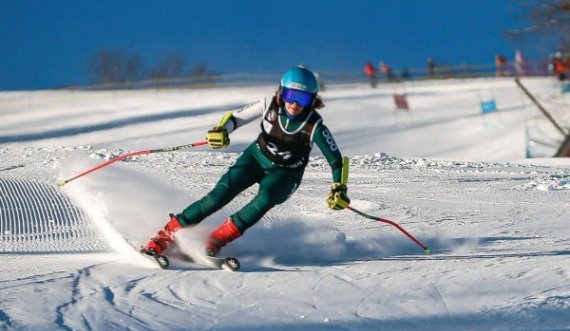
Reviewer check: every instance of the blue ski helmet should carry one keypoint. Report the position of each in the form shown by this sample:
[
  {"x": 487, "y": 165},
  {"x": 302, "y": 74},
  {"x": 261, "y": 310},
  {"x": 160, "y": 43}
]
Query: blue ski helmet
[{"x": 301, "y": 79}]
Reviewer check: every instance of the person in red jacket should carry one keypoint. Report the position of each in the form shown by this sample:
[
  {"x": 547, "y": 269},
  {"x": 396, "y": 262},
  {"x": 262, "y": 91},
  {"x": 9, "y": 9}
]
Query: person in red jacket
[
  {"x": 370, "y": 71},
  {"x": 560, "y": 68},
  {"x": 500, "y": 65}
]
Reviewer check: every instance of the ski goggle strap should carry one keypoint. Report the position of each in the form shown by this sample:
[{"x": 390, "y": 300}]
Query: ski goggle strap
[{"x": 303, "y": 98}]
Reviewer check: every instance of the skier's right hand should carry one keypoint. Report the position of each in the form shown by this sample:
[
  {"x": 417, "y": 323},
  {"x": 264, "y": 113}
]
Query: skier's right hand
[{"x": 218, "y": 137}]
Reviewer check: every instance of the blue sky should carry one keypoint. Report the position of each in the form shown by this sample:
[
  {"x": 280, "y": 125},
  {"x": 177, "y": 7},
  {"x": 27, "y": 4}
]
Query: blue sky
[{"x": 47, "y": 43}]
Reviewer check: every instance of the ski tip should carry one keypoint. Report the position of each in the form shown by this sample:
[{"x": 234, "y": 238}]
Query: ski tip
[
  {"x": 61, "y": 183},
  {"x": 427, "y": 251},
  {"x": 161, "y": 260}
]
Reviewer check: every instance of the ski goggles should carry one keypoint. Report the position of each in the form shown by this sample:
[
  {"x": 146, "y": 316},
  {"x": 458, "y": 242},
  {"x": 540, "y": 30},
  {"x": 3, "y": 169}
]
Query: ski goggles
[{"x": 302, "y": 98}]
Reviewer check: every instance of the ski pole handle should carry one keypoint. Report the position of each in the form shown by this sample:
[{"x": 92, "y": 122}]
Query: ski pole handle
[{"x": 124, "y": 156}]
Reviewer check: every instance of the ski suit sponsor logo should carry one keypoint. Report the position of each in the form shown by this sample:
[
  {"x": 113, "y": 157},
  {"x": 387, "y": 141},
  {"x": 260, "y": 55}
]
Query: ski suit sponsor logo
[
  {"x": 297, "y": 86},
  {"x": 286, "y": 155},
  {"x": 295, "y": 165},
  {"x": 249, "y": 105},
  {"x": 330, "y": 140}
]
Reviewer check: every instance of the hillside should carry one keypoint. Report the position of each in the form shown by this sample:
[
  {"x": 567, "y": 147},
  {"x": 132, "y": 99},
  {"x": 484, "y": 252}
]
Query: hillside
[{"x": 457, "y": 180}]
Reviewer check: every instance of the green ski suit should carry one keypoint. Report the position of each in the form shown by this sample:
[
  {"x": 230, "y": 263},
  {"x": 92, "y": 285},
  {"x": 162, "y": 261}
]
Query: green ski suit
[{"x": 276, "y": 161}]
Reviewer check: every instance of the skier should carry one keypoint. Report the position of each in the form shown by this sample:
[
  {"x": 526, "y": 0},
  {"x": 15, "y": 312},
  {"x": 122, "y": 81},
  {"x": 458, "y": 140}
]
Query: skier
[{"x": 276, "y": 160}]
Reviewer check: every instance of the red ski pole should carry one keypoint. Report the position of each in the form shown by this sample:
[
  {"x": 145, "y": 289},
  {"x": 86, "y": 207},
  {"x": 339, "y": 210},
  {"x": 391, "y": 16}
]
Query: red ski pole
[
  {"x": 124, "y": 156},
  {"x": 383, "y": 220}
]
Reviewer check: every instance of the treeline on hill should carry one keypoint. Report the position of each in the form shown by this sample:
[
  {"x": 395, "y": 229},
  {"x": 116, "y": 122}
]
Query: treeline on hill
[{"x": 115, "y": 66}]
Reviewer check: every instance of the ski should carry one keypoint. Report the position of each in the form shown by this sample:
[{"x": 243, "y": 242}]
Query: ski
[
  {"x": 191, "y": 255},
  {"x": 160, "y": 260},
  {"x": 222, "y": 263}
]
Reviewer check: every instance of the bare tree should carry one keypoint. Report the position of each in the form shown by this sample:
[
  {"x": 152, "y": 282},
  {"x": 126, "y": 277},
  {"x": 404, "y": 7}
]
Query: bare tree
[
  {"x": 113, "y": 66},
  {"x": 550, "y": 19},
  {"x": 171, "y": 66},
  {"x": 108, "y": 66},
  {"x": 200, "y": 72}
]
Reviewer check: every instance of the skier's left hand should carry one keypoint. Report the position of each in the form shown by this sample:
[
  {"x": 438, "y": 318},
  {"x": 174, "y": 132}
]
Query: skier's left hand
[{"x": 337, "y": 198}]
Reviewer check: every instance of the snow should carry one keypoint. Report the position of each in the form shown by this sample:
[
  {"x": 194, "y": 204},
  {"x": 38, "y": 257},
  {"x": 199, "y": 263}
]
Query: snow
[{"x": 455, "y": 179}]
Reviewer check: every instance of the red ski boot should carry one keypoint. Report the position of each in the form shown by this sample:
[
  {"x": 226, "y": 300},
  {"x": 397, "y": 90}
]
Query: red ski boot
[
  {"x": 221, "y": 236},
  {"x": 165, "y": 237}
]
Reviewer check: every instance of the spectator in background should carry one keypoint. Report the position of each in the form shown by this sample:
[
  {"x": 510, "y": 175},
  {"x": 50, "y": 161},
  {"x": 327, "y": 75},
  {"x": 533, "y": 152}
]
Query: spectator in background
[
  {"x": 370, "y": 71},
  {"x": 386, "y": 70},
  {"x": 551, "y": 64},
  {"x": 560, "y": 67},
  {"x": 405, "y": 74},
  {"x": 431, "y": 67},
  {"x": 520, "y": 64},
  {"x": 500, "y": 65}
]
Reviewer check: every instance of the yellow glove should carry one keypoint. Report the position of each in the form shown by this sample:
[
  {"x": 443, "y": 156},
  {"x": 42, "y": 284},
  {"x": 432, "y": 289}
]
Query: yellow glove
[
  {"x": 337, "y": 199},
  {"x": 218, "y": 137}
]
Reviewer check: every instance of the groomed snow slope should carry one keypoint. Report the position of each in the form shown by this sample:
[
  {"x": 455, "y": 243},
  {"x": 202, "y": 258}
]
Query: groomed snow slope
[{"x": 497, "y": 226}]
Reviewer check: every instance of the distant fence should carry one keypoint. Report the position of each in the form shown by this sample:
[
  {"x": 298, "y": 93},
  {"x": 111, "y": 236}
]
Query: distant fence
[{"x": 340, "y": 77}]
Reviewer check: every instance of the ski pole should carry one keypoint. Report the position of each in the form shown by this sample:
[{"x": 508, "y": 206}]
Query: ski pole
[
  {"x": 124, "y": 156},
  {"x": 383, "y": 220},
  {"x": 344, "y": 181}
]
